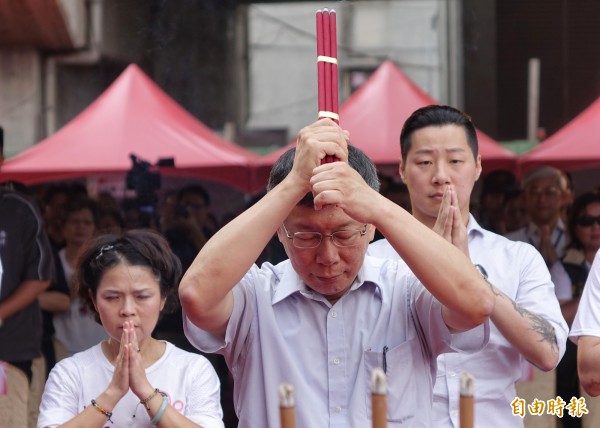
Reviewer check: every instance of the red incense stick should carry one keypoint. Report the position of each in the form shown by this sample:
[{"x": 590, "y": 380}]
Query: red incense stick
[
  {"x": 320, "y": 64},
  {"x": 327, "y": 68},
  {"x": 334, "y": 67},
  {"x": 327, "y": 53}
]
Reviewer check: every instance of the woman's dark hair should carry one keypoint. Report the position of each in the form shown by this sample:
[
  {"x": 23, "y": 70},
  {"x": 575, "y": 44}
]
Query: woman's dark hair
[
  {"x": 576, "y": 210},
  {"x": 135, "y": 247}
]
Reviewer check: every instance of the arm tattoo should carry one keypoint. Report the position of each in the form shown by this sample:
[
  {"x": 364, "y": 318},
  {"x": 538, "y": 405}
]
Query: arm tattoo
[
  {"x": 494, "y": 292},
  {"x": 539, "y": 325}
]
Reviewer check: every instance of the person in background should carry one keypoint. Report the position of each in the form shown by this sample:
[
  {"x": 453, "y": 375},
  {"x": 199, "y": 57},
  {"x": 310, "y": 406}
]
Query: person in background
[
  {"x": 569, "y": 195},
  {"x": 585, "y": 331},
  {"x": 440, "y": 164},
  {"x": 543, "y": 193},
  {"x": 185, "y": 219},
  {"x": 131, "y": 379},
  {"x": 325, "y": 318},
  {"x": 514, "y": 213},
  {"x": 185, "y": 222},
  {"x": 27, "y": 271},
  {"x": 110, "y": 220},
  {"x": 569, "y": 277},
  {"x": 53, "y": 201},
  {"x": 76, "y": 330},
  {"x": 496, "y": 186},
  {"x": 56, "y": 299}
]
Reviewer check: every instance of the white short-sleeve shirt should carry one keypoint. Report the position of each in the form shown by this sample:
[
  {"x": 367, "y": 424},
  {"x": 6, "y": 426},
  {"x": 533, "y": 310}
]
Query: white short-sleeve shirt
[
  {"x": 281, "y": 331},
  {"x": 587, "y": 319},
  {"x": 188, "y": 380},
  {"x": 519, "y": 271}
]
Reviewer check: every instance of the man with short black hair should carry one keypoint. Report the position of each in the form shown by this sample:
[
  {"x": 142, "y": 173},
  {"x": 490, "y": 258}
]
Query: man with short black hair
[
  {"x": 440, "y": 165},
  {"x": 325, "y": 318}
]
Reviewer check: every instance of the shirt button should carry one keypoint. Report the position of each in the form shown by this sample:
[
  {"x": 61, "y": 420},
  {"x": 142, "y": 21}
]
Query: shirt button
[
  {"x": 338, "y": 409},
  {"x": 454, "y": 413},
  {"x": 333, "y": 314},
  {"x": 336, "y": 361},
  {"x": 452, "y": 374}
]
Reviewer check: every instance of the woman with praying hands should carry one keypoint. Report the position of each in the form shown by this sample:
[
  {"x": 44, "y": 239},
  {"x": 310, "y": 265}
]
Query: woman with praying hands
[{"x": 131, "y": 379}]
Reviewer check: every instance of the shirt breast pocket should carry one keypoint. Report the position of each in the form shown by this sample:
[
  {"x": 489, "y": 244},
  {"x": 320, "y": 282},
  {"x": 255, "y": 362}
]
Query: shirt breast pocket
[{"x": 400, "y": 364}]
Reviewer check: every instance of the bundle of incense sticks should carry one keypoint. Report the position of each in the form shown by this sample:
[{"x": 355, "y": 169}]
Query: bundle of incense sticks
[
  {"x": 287, "y": 413},
  {"x": 327, "y": 67},
  {"x": 378, "y": 399},
  {"x": 467, "y": 401}
]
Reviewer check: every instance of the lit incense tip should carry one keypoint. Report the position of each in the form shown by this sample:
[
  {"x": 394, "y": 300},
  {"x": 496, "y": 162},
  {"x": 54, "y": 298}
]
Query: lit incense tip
[
  {"x": 286, "y": 395},
  {"x": 466, "y": 384},
  {"x": 378, "y": 382}
]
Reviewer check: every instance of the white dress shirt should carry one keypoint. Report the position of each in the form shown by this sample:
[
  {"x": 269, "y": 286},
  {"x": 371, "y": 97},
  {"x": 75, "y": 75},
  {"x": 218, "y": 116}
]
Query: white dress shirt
[
  {"x": 281, "y": 331},
  {"x": 519, "y": 271},
  {"x": 587, "y": 319}
]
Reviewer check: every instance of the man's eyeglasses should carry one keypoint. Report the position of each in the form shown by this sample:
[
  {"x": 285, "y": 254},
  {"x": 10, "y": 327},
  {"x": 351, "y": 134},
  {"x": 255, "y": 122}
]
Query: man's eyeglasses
[
  {"x": 587, "y": 220},
  {"x": 341, "y": 238}
]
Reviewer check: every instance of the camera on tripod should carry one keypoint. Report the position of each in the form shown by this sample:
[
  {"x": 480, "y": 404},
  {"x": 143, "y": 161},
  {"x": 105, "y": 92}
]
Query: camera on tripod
[{"x": 145, "y": 181}]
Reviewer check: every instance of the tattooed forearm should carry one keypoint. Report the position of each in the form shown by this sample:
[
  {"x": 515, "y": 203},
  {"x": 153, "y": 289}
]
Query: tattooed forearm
[
  {"x": 540, "y": 326},
  {"x": 494, "y": 291}
]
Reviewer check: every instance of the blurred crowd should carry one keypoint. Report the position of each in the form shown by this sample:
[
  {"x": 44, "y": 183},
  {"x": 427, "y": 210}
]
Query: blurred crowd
[{"x": 540, "y": 209}]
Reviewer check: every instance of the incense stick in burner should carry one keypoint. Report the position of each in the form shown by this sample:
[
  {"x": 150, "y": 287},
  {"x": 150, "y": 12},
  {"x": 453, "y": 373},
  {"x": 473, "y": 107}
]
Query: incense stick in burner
[
  {"x": 467, "y": 401},
  {"x": 287, "y": 412},
  {"x": 378, "y": 399}
]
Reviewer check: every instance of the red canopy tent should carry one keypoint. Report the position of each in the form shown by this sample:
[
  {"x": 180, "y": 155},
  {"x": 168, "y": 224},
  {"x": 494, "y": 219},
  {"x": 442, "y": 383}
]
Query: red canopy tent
[
  {"x": 133, "y": 116},
  {"x": 375, "y": 113},
  {"x": 574, "y": 147}
]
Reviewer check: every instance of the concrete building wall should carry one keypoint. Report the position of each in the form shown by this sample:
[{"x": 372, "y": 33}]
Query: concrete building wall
[
  {"x": 282, "y": 53},
  {"x": 20, "y": 98}
]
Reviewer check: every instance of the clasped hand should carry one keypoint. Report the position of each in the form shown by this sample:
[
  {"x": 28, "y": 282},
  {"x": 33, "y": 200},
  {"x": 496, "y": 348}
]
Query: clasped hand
[
  {"x": 450, "y": 224},
  {"x": 129, "y": 368},
  {"x": 337, "y": 183}
]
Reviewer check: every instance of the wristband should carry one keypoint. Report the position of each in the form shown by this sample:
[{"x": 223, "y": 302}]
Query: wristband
[
  {"x": 102, "y": 410},
  {"x": 160, "y": 412},
  {"x": 482, "y": 271}
]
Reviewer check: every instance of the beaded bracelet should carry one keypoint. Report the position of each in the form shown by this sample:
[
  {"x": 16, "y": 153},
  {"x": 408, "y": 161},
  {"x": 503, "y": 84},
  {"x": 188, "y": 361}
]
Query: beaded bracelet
[
  {"x": 102, "y": 410},
  {"x": 161, "y": 411},
  {"x": 145, "y": 401},
  {"x": 148, "y": 398}
]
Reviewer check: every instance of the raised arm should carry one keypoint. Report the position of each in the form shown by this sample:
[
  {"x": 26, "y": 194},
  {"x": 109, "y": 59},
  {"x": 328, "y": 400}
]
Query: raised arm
[
  {"x": 205, "y": 289},
  {"x": 529, "y": 332},
  {"x": 588, "y": 356},
  {"x": 586, "y": 331},
  {"x": 446, "y": 272}
]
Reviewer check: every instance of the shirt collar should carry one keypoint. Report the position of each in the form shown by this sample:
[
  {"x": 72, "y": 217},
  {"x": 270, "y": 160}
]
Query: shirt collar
[
  {"x": 473, "y": 228},
  {"x": 290, "y": 282}
]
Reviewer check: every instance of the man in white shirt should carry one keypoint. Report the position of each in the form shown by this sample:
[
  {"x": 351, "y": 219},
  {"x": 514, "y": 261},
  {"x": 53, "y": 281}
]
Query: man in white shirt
[
  {"x": 543, "y": 194},
  {"x": 440, "y": 165},
  {"x": 585, "y": 332},
  {"x": 326, "y": 317}
]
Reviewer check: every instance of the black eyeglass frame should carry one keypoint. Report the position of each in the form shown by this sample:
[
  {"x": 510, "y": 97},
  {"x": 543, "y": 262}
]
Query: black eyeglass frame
[{"x": 362, "y": 232}]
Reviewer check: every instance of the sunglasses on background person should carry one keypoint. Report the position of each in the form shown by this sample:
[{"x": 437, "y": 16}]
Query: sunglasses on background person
[{"x": 587, "y": 220}]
